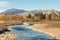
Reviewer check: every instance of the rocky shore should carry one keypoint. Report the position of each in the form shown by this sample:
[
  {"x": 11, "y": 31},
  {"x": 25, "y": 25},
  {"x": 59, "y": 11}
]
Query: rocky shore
[
  {"x": 4, "y": 27},
  {"x": 8, "y": 36}
]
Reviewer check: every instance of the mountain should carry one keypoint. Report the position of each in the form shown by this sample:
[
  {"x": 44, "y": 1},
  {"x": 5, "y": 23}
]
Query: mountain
[
  {"x": 24, "y": 12},
  {"x": 13, "y": 11},
  {"x": 44, "y": 11}
]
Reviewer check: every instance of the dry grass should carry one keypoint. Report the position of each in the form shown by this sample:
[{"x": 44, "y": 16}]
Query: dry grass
[
  {"x": 49, "y": 27},
  {"x": 5, "y": 24},
  {"x": 53, "y": 24}
]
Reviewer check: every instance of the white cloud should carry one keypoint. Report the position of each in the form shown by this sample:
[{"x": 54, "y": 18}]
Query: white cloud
[{"x": 4, "y": 3}]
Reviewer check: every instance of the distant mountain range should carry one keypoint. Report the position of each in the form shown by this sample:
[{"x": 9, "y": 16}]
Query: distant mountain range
[
  {"x": 24, "y": 12},
  {"x": 13, "y": 11}
]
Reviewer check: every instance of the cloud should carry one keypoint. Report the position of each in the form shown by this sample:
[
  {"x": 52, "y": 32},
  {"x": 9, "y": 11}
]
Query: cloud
[
  {"x": 1, "y": 11},
  {"x": 4, "y": 3}
]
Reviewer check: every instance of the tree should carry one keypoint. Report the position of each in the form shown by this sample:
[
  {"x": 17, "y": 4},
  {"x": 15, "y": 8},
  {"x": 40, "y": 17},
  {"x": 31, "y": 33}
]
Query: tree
[
  {"x": 42, "y": 16},
  {"x": 29, "y": 16},
  {"x": 36, "y": 17},
  {"x": 59, "y": 15},
  {"x": 54, "y": 16},
  {"x": 50, "y": 16}
]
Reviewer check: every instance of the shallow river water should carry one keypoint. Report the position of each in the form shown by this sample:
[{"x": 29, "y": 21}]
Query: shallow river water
[{"x": 24, "y": 33}]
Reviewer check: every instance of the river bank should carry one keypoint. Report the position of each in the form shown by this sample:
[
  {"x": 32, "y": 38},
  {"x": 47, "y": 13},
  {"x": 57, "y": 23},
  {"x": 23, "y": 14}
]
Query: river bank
[
  {"x": 53, "y": 31},
  {"x": 8, "y": 36},
  {"x": 5, "y": 24}
]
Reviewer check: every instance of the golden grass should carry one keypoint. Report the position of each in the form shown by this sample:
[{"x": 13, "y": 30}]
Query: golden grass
[{"x": 49, "y": 27}]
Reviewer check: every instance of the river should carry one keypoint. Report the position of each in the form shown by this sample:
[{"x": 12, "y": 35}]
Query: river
[{"x": 24, "y": 33}]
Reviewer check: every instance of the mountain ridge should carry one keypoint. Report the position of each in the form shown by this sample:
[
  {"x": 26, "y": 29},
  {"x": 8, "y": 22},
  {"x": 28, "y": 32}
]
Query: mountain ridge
[
  {"x": 13, "y": 11},
  {"x": 24, "y": 12}
]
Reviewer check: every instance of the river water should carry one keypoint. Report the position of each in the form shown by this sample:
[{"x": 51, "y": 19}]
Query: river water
[{"x": 24, "y": 33}]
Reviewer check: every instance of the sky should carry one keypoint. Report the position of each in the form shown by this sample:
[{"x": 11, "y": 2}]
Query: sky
[{"x": 30, "y": 4}]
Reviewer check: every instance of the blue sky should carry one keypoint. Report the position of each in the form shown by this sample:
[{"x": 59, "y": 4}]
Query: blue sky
[{"x": 29, "y": 4}]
